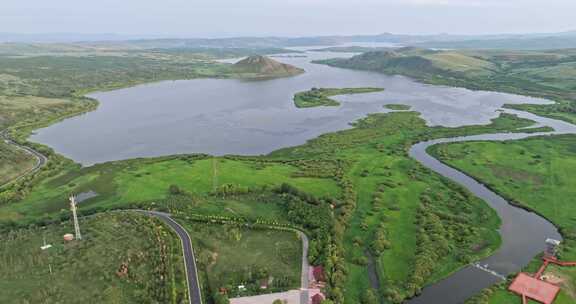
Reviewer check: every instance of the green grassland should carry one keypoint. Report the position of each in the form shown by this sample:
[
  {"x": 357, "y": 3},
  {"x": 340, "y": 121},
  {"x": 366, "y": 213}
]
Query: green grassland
[
  {"x": 536, "y": 173},
  {"x": 229, "y": 256},
  {"x": 383, "y": 200},
  {"x": 120, "y": 183},
  {"x": 86, "y": 270},
  {"x": 317, "y": 97},
  {"x": 548, "y": 74}
]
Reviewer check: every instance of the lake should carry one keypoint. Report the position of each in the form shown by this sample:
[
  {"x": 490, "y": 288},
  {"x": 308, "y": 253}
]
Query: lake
[{"x": 227, "y": 116}]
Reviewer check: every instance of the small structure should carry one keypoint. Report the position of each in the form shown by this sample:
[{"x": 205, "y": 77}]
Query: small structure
[
  {"x": 68, "y": 237},
  {"x": 45, "y": 246},
  {"x": 123, "y": 270},
  {"x": 551, "y": 247},
  {"x": 534, "y": 289},
  {"x": 317, "y": 298},
  {"x": 264, "y": 283},
  {"x": 318, "y": 273}
]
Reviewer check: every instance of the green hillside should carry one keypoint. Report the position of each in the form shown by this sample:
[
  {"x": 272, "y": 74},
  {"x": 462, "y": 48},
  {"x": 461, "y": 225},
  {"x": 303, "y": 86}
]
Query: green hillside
[{"x": 547, "y": 74}]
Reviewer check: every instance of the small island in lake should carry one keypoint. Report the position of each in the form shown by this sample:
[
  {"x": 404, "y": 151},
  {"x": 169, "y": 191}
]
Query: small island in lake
[
  {"x": 317, "y": 97},
  {"x": 397, "y": 107}
]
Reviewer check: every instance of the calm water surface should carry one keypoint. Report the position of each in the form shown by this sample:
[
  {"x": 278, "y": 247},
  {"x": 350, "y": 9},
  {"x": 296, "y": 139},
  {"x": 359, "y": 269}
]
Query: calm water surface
[{"x": 219, "y": 117}]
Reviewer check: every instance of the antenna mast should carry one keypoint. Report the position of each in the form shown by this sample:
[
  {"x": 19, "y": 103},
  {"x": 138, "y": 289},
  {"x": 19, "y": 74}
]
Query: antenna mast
[{"x": 78, "y": 236}]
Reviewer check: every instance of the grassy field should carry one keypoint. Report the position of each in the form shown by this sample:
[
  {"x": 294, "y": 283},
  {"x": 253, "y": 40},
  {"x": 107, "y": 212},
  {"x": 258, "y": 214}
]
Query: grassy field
[
  {"x": 317, "y": 97},
  {"x": 536, "y": 173},
  {"x": 121, "y": 183},
  {"x": 229, "y": 256},
  {"x": 383, "y": 200},
  {"x": 86, "y": 270}
]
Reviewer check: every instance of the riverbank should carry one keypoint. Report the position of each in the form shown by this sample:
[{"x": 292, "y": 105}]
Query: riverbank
[{"x": 542, "y": 166}]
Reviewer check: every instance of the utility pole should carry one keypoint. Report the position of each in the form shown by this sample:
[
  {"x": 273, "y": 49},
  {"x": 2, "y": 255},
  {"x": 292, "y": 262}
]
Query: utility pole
[
  {"x": 77, "y": 235},
  {"x": 214, "y": 174}
]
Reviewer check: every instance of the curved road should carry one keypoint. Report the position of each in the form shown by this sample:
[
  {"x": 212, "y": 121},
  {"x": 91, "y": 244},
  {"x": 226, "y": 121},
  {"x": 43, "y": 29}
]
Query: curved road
[
  {"x": 194, "y": 293},
  {"x": 41, "y": 160}
]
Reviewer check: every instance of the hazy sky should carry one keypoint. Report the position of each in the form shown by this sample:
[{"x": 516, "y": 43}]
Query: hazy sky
[{"x": 285, "y": 17}]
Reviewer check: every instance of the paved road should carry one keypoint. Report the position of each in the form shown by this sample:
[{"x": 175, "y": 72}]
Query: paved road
[
  {"x": 41, "y": 160},
  {"x": 194, "y": 293}
]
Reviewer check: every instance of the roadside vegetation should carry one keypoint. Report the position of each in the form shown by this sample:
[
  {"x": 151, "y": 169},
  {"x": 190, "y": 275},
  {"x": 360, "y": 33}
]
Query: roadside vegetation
[
  {"x": 536, "y": 173},
  {"x": 317, "y": 97},
  {"x": 548, "y": 73},
  {"x": 87, "y": 270}
]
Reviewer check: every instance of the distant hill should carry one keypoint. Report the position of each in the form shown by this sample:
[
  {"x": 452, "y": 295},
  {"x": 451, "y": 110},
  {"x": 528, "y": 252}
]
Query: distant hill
[
  {"x": 262, "y": 66},
  {"x": 418, "y": 63},
  {"x": 548, "y": 74}
]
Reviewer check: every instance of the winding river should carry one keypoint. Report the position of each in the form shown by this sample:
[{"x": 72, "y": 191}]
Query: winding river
[
  {"x": 523, "y": 233},
  {"x": 256, "y": 117}
]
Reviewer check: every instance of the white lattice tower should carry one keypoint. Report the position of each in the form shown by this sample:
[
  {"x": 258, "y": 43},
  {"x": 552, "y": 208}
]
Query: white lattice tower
[{"x": 77, "y": 234}]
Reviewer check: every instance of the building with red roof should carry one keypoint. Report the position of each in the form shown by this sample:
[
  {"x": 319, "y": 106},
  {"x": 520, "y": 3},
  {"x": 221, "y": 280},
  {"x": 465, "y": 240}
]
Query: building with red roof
[
  {"x": 318, "y": 273},
  {"x": 317, "y": 298},
  {"x": 534, "y": 289}
]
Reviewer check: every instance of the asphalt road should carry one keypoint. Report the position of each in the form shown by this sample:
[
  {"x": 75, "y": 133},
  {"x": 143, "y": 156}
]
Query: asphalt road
[
  {"x": 41, "y": 160},
  {"x": 194, "y": 293}
]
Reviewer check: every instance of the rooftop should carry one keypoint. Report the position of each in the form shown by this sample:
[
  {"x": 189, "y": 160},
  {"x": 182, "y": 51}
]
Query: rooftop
[{"x": 534, "y": 289}]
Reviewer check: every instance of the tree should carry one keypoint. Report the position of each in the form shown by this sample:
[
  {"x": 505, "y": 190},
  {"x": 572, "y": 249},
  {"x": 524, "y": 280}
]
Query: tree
[
  {"x": 220, "y": 298},
  {"x": 174, "y": 190},
  {"x": 369, "y": 297}
]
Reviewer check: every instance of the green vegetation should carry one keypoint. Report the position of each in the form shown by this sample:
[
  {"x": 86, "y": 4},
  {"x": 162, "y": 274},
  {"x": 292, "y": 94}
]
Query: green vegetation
[
  {"x": 36, "y": 91},
  {"x": 397, "y": 107},
  {"x": 382, "y": 200},
  {"x": 317, "y": 97},
  {"x": 121, "y": 183},
  {"x": 546, "y": 74},
  {"x": 229, "y": 256},
  {"x": 86, "y": 270},
  {"x": 356, "y": 193},
  {"x": 536, "y": 173}
]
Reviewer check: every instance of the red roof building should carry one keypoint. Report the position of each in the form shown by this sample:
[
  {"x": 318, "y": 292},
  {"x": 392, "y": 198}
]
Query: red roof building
[
  {"x": 318, "y": 273},
  {"x": 534, "y": 289},
  {"x": 317, "y": 298}
]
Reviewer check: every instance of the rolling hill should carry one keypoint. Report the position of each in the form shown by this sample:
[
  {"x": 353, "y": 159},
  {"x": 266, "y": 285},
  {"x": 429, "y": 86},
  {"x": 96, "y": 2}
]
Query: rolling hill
[{"x": 263, "y": 67}]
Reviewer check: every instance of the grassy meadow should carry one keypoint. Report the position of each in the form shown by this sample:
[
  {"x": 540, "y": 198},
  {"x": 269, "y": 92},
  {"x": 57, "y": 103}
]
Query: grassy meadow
[
  {"x": 317, "y": 97},
  {"x": 537, "y": 173},
  {"x": 229, "y": 256},
  {"x": 144, "y": 180},
  {"x": 86, "y": 270}
]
